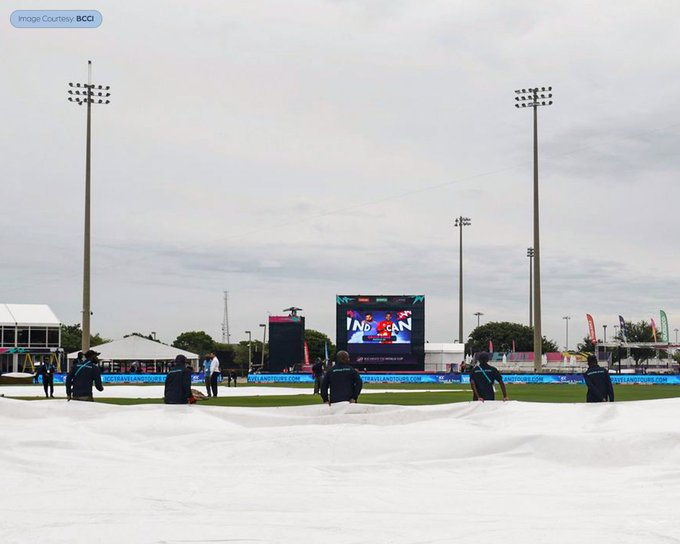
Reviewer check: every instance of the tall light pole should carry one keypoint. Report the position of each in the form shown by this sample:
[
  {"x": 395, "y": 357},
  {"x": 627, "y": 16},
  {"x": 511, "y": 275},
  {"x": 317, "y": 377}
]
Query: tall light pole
[
  {"x": 478, "y": 314},
  {"x": 676, "y": 335},
  {"x": 530, "y": 254},
  {"x": 250, "y": 348},
  {"x": 264, "y": 339},
  {"x": 567, "y": 318},
  {"x": 87, "y": 93},
  {"x": 460, "y": 223},
  {"x": 533, "y": 98},
  {"x": 605, "y": 333}
]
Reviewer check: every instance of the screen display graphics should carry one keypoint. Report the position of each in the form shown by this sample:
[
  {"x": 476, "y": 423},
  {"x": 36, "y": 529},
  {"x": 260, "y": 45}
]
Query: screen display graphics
[
  {"x": 382, "y": 332},
  {"x": 386, "y": 327}
]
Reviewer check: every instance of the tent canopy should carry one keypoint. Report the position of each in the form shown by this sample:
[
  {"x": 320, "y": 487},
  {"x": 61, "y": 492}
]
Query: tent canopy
[
  {"x": 137, "y": 348},
  {"x": 36, "y": 315}
]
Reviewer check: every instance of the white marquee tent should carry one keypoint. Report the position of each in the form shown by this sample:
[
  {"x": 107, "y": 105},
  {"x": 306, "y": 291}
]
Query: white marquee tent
[
  {"x": 137, "y": 348},
  {"x": 34, "y": 315}
]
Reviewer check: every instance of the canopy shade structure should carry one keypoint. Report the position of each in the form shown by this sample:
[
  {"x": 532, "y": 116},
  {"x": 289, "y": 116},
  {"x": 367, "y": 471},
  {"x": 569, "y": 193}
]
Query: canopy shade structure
[
  {"x": 137, "y": 348},
  {"x": 32, "y": 315}
]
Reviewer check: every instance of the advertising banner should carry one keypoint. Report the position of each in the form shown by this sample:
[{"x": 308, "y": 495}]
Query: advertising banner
[
  {"x": 666, "y": 379},
  {"x": 127, "y": 378},
  {"x": 663, "y": 379},
  {"x": 665, "y": 336},
  {"x": 591, "y": 329},
  {"x": 622, "y": 323}
]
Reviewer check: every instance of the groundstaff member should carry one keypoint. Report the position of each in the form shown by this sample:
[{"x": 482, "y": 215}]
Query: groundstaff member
[
  {"x": 215, "y": 372},
  {"x": 47, "y": 371},
  {"x": 206, "y": 372},
  {"x": 178, "y": 383},
  {"x": 482, "y": 378},
  {"x": 599, "y": 383},
  {"x": 343, "y": 381},
  {"x": 317, "y": 372},
  {"x": 84, "y": 374}
]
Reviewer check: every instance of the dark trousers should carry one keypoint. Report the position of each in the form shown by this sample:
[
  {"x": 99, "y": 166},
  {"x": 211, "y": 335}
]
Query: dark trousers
[
  {"x": 48, "y": 383},
  {"x": 213, "y": 383},
  {"x": 317, "y": 385},
  {"x": 207, "y": 382}
]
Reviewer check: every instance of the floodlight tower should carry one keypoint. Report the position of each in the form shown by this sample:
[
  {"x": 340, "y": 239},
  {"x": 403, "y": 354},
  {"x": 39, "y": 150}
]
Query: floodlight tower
[
  {"x": 534, "y": 98},
  {"x": 459, "y": 223},
  {"x": 478, "y": 314},
  {"x": 264, "y": 341},
  {"x": 530, "y": 254},
  {"x": 567, "y": 318},
  {"x": 226, "y": 336},
  {"x": 87, "y": 93},
  {"x": 250, "y": 348}
]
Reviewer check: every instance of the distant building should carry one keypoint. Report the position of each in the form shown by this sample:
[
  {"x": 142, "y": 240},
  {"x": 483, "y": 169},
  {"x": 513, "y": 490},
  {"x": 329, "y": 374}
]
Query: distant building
[{"x": 28, "y": 332}]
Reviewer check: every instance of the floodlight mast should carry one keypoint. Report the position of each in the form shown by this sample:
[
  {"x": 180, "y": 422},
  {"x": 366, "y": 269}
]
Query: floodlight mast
[
  {"x": 87, "y": 93},
  {"x": 534, "y": 98},
  {"x": 530, "y": 254},
  {"x": 461, "y": 222}
]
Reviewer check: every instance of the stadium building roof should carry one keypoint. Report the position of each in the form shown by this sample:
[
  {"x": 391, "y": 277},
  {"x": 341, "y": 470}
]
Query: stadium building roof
[
  {"x": 32, "y": 315},
  {"x": 137, "y": 348}
]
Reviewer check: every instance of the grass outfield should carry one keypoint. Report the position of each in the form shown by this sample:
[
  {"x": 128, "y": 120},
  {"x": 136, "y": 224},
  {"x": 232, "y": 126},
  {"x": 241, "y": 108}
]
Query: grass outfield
[{"x": 522, "y": 392}]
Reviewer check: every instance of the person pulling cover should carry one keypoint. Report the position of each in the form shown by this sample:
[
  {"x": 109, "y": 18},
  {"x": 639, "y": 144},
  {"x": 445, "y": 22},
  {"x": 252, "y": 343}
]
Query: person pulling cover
[
  {"x": 83, "y": 375},
  {"x": 178, "y": 383},
  {"x": 482, "y": 377},
  {"x": 343, "y": 380},
  {"x": 600, "y": 388}
]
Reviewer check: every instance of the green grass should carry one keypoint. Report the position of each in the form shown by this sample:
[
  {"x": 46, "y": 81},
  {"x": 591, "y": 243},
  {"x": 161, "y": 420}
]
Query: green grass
[{"x": 523, "y": 392}]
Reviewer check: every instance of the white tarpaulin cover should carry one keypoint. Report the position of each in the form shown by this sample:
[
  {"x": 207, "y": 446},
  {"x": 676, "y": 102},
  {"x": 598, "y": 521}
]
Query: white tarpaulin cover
[
  {"x": 512, "y": 472},
  {"x": 136, "y": 348}
]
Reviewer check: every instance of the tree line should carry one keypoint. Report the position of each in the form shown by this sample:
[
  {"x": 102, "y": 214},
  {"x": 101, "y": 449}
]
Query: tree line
[{"x": 200, "y": 342}]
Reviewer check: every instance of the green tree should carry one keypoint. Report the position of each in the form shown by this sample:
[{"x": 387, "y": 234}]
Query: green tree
[
  {"x": 198, "y": 342},
  {"x": 502, "y": 334},
  {"x": 316, "y": 342},
  {"x": 586, "y": 346},
  {"x": 147, "y": 336},
  {"x": 72, "y": 336},
  {"x": 639, "y": 332},
  {"x": 98, "y": 340},
  {"x": 241, "y": 353}
]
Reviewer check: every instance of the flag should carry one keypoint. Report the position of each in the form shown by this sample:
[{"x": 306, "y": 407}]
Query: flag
[
  {"x": 513, "y": 346},
  {"x": 490, "y": 346},
  {"x": 654, "y": 329},
  {"x": 665, "y": 336},
  {"x": 325, "y": 351},
  {"x": 591, "y": 329},
  {"x": 622, "y": 322},
  {"x": 306, "y": 353}
]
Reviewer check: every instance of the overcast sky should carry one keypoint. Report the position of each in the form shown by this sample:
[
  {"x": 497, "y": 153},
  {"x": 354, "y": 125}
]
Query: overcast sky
[{"x": 291, "y": 151}]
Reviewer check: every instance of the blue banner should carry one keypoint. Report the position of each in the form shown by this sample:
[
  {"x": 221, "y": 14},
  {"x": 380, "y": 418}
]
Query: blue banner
[
  {"x": 660, "y": 379},
  {"x": 280, "y": 378}
]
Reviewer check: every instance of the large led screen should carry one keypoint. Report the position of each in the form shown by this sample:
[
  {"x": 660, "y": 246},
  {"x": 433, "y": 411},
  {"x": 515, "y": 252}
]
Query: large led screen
[{"x": 382, "y": 332}]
